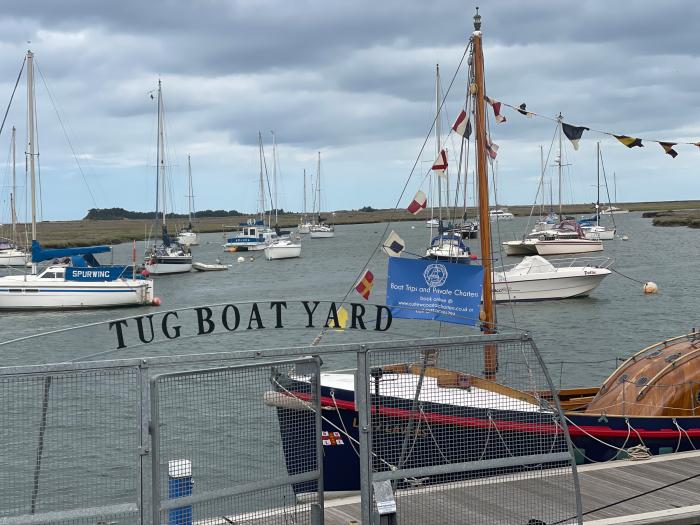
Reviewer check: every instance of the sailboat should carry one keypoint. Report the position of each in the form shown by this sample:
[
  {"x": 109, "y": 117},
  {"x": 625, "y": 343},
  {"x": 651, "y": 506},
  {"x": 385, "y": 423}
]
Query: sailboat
[
  {"x": 614, "y": 210},
  {"x": 475, "y": 418},
  {"x": 187, "y": 236},
  {"x": 253, "y": 234},
  {"x": 282, "y": 246},
  {"x": 10, "y": 253},
  {"x": 564, "y": 237},
  {"x": 321, "y": 229},
  {"x": 168, "y": 257},
  {"x": 447, "y": 245},
  {"x": 74, "y": 278},
  {"x": 591, "y": 226},
  {"x": 304, "y": 223}
]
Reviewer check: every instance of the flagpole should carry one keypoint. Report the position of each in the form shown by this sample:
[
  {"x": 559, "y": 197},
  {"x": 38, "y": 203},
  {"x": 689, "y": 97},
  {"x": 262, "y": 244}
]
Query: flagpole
[{"x": 489, "y": 317}]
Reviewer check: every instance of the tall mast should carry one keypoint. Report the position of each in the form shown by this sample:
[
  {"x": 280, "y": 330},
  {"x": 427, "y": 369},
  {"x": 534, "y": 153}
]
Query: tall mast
[
  {"x": 437, "y": 136},
  {"x": 304, "y": 194},
  {"x": 615, "y": 187},
  {"x": 30, "y": 138},
  {"x": 161, "y": 152},
  {"x": 597, "y": 186},
  {"x": 261, "y": 185},
  {"x": 190, "y": 197},
  {"x": 318, "y": 186},
  {"x": 542, "y": 181},
  {"x": 559, "y": 120},
  {"x": 274, "y": 173},
  {"x": 489, "y": 317},
  {"x": 13, "y": 196}
]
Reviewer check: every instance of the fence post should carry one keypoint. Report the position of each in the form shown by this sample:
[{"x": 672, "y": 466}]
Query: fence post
[
  {"x": 317, "y": 510},
  {"x": 145, "y": 502},
  {"x": 364, "y": 410}
]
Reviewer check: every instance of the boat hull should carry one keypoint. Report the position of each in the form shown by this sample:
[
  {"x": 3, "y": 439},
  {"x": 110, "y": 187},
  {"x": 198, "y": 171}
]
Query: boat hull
[
  {"x": 282, "y": 252},
  {"x": 594, "y": 438},
  {"x": 169, "y": 265},
  {"x": 13, "y": 258},
  {"x": 203, "y": 267},
  {"x": 519, "y": 248},
  {"x": 321, "y": 234},
  {"x": 534, "y": 287},
  {"x": 562, "y": 247},
  {"x": 33, "y": 295}
]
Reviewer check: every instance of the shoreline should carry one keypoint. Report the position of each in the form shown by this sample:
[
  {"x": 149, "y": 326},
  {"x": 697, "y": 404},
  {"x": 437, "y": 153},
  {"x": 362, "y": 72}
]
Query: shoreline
[{"x": 55, "y": 234}]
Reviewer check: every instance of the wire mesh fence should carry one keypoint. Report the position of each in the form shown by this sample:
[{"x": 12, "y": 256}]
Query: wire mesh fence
[
  {"x": 219, "y": 453},
  {"x": 69, "y": 441},
  {"x": 458, "y": 423}
]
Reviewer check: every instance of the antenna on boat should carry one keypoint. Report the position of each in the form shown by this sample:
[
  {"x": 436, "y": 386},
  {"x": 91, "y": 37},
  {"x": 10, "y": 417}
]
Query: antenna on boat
[{"x": 477, "y": 87}]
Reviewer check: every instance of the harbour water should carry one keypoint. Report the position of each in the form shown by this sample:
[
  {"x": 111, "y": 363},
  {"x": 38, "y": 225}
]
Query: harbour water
[{"x": 587, "y": 334}]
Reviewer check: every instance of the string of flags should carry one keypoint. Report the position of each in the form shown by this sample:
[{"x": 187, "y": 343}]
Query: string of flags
[{"x": 574, "y": 133}]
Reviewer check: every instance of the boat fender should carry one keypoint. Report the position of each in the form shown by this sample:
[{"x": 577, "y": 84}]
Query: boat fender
[
  {"x": 650, "y": 287},
  {"x": 280, "y": 400},
  {"x": 241, "y": 259},
  {"x": 145, "y": 272},
  {"x": 156, "y": 301}
]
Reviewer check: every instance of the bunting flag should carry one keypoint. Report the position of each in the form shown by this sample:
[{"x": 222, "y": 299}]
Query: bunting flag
[
  {"x": 393, "y": 245},
  {"x": 522, "y": 109},
  {"x": 668, "y": 148},
  {"x": 440, "y": 164},
  {"x": 491, "y": 148},
  {"x": 496, "y": 105},
  {"x": 630, "y": 142},
  {"x": 462, "y": 126},
  {"x": 418, "y": 203},
  {"x": 573, "y": 133},
  {"x": 364, "y": 286}
]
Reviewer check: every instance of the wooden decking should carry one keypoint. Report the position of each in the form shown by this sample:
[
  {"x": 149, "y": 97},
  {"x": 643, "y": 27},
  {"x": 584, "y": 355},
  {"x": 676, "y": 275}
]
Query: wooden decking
[{"x": 601, "y": 485}]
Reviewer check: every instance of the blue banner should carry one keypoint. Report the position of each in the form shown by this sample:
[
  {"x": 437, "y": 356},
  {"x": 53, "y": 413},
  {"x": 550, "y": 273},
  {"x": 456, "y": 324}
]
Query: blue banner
[
  {"x": 99, "y": 273},
  {"x": 438, "y": 290}
]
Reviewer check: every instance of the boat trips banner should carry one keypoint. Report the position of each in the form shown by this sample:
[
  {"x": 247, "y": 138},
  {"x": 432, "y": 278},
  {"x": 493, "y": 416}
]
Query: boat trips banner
[{"x": 431, "y": 289}]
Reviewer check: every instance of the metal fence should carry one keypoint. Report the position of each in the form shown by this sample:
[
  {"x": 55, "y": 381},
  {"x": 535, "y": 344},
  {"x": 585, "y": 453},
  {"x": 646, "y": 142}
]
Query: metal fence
[
  {"x": 452, "y": 431},
  {"x": 439, "y": 430}
]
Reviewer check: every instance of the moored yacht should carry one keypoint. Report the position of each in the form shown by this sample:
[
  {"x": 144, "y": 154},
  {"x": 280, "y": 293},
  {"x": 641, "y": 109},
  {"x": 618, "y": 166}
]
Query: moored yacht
[{"x": 500, "y": 214}]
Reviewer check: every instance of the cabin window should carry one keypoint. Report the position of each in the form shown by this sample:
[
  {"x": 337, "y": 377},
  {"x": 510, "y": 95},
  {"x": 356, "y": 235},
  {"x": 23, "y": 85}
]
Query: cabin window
[
  {"x": 49, "y": 275},
  {"x": 654, "y": 353},
  {"x": 623, "y": 378},
  {"x": 642, "y": 381},
  {"x": 673, "y": 357},
  {"x": 15, "y": 290}
]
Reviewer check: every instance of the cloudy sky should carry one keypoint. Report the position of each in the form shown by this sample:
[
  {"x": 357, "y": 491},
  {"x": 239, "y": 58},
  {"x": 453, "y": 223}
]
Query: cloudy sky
[{"x": 354, "y": 80}]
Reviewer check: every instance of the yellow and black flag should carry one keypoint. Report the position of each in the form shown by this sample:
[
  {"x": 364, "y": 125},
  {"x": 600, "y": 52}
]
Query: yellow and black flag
[
  {"x": 668, "y": 148},
  {"x": 630, "y": 142}
]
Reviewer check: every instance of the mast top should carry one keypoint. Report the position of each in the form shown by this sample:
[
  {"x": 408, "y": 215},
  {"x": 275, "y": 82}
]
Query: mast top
[{"x": 477, "y": 20}]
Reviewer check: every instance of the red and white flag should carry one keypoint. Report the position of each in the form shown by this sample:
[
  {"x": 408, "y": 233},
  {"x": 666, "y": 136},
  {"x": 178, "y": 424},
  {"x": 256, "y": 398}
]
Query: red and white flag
[
  {"x": 496, "y": 105},
  {"x": 418, "y": 203},
  {"x": 491, "y": 148},
  {"x": 440, "y": 164},
  {"x": 462, "y": 126}
]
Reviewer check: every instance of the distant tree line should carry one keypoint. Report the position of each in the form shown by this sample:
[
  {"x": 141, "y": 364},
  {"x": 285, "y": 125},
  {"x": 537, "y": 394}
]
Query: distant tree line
[{"x": 110, "y": 214}]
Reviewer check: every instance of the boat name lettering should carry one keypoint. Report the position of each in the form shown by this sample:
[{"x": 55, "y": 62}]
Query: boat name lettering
[{"x": 205, "y": 320}]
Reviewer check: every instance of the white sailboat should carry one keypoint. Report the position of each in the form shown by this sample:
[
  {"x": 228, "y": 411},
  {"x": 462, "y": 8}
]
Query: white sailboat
[
  {"x": 283, "y": 246},
  {"x": 320, "y": 230},
  {"x": 10, "y": 253},
  {"x": 254, "y": 234},
  {"x": 304, "y": 223},
  {"x": 74, "y": 279},
  {"x": 167, "y": 257},
  {"x": 446, "y": 245},
  {"x": 591, "y": 227},
  {"x": 614, "y": 210},
  {"x": 187, "y": 236}
]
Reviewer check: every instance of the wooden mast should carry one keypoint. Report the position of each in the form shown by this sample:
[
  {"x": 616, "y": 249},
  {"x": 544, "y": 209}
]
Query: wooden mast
[{"x": 489, "y": 316}]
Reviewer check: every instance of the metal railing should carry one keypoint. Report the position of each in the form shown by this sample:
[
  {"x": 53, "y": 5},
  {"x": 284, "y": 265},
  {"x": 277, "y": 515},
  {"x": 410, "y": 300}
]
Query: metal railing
[{"x": 243, "y": 436}]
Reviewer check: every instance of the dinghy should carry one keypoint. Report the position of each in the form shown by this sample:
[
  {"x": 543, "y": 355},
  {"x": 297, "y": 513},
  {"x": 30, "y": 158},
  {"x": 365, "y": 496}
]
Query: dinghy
[{"x": 207, "y": 267}]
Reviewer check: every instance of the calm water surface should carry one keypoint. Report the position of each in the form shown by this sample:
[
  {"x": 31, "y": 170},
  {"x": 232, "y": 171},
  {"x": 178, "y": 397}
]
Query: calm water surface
[{"x": 615, "y": 321}]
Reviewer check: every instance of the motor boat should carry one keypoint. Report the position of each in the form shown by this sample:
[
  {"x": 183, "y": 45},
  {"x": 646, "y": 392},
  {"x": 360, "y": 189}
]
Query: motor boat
[
  {"x": 253, "y": 236},
  {"x": 321, "y": 231},
  {"x": 500, "y": 214},
  {"x": 283, "y": 248}
]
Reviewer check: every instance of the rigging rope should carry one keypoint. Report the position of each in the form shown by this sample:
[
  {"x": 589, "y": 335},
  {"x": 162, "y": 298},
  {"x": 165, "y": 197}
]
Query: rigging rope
[{"x": 12, "y": 96}]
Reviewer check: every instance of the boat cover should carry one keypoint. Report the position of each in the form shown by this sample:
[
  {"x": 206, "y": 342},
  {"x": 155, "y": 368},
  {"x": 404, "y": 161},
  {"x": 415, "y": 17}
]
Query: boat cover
[
  {"x": 40, "y": 254},
  {"x": 533, "y": 264}
]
